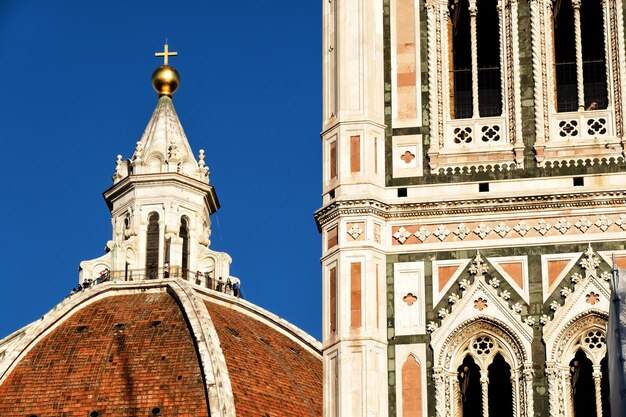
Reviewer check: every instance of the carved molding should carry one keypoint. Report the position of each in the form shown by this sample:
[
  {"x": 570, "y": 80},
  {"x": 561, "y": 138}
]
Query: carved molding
[
  {"x": 522, "y": 204},
  {"x": 572, "y": 331}
]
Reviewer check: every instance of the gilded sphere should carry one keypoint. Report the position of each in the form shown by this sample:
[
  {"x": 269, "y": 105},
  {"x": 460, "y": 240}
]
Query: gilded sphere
[{"x": 165, "y": 80}]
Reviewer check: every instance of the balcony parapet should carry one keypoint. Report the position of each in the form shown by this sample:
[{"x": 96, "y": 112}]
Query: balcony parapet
[
  {"x": 479, "y": 142},
  {"x": 229, "y": 285},
  {"x": 582, "y": 125}
]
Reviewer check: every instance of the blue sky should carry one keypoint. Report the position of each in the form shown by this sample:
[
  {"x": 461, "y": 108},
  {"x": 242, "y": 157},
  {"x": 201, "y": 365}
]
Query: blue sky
[{"x": 76, "y": 92}]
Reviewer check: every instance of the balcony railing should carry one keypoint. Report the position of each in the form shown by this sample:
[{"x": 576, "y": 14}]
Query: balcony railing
[
  {"x": 581, "y": 125},
  {"x": 226, "y": 286},
  {"x": 476, "y": 133}
]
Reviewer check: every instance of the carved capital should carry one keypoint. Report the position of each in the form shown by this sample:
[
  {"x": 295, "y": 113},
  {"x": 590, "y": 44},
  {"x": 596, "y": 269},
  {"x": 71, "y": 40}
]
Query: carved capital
[
  {"x": 528, "y": 373},
  {"x": 438, "y": 376},
  {"x": 551, "y": 372}
]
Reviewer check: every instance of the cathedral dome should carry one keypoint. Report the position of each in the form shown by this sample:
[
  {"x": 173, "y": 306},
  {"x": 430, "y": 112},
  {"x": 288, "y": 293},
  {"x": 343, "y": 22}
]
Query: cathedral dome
[
  {"x": 156, "y": 327},
  {"x": 162, "y": 347}
]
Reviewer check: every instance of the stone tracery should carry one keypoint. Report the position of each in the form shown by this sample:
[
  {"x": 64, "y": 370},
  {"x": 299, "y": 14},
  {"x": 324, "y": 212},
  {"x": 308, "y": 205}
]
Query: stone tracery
[
  {"x": 488, "y": 339},
  {"x": 583, "y": 337}
]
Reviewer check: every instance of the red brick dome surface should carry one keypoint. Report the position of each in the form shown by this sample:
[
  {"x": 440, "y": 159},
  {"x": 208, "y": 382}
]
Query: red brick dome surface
[
  {"x": 136, "y": 354},
  {"x": 274, "y": 374}
]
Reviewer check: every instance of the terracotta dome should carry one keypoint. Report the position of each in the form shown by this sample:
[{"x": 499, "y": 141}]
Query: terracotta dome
[{"x": 163, "y": 347}]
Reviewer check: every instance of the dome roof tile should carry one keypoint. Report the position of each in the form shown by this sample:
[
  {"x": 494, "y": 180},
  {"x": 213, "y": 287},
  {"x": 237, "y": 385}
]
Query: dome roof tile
[{"x": 126, "y": 348}]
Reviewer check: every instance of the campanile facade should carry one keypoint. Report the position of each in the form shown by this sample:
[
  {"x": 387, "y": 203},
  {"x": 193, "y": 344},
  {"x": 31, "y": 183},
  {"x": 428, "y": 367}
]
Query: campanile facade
[{"x": 473, "y": 204}]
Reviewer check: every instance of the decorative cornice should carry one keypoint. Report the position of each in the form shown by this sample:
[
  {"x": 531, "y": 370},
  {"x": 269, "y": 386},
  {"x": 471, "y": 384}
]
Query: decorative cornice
[
  {"x": 350, "y": 123},
  {"x": 350, "y": 207},
  {"x": 160, "y": 180},
  {"x": 523, "y": 204}
]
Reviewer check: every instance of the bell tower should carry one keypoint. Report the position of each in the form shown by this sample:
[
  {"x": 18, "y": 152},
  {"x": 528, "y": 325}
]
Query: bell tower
[
  {"x": 473, "y": 205},
  {"x": 160, "y": 203}
]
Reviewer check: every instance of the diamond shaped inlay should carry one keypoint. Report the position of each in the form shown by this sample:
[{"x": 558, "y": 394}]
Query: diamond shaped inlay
[
  {"x": 355, "y": 231},
  {"x": 422, "y": 233},
  {"x": 441, "y": 232},
  {"x": 522, "y": 228},
  {"x": 402, "y": 235}
]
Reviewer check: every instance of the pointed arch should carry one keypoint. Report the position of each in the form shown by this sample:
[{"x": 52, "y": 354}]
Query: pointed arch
[
  {"x": 468, "y": 376},
  {"x": 412, "y": 365},
  {"x": 500, "y": 388},
  {"x": 458, "y": 343},
  {"x": 411, "y": 387},
  {"x": 581, "y": 370},
  {"x": 582, "y": 338},
  {"x": 572, "y": 335},
  {"x": 496, "y": 350}
]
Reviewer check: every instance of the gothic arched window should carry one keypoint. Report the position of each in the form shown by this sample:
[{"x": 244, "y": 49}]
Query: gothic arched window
[
  {"x": 580, "y": 69},
  {"x": 500, "y": 389},
  {"x": 152, "y": 245},
  {"x": 475, "y": 59},
  {"x": 468, "y": 375},
  {"x": 184, "y": 235},
  {"x": 583, "y": 394},
  {"x": 474, "y": 85}
]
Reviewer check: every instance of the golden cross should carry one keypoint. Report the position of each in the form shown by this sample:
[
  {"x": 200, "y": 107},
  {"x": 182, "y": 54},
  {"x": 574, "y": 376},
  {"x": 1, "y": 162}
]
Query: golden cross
[{"x": 166, "y": 54}]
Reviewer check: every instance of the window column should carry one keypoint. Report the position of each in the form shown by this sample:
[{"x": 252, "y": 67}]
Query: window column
[
  {"x": 474, "y": 42},
  {"x": 441, "y": 407},
  {"x": 503, "y": 48},
  {"x": 579, "y": 55},
  {"x": 569, "y": 399},
  {"x": 458, "y": 399},
  {"x": 528, "y": 374},
  {"x": 484, "y": 386},
  {"x": 515, "y": 391},
  {"x": 597, "y": 382}
]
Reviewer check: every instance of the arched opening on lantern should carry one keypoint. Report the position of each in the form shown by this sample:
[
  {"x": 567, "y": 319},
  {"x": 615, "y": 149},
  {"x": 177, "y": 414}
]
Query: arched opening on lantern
[
  {"x": 152, "y": 246},
  {"x": 184, "y": 235}
]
